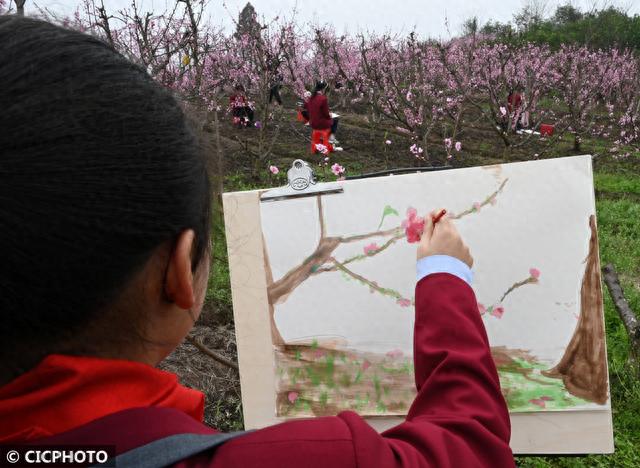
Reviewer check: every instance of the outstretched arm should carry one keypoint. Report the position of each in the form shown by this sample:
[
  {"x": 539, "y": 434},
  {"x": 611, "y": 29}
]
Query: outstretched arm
[{"x": 459, "y": 416}]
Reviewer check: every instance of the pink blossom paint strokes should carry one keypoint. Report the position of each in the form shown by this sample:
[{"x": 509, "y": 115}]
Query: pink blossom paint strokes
[{"x": 341, "y": 275}]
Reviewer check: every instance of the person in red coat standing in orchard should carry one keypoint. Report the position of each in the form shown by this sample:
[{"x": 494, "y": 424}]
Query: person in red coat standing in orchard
[
  {"x": 514, "y": 105},
  {"x": 106, "y": 222},
  {"x": 317, "y": 108}
]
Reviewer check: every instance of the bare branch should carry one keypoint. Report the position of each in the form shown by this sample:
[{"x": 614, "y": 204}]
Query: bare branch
[{"x": 212, "y": 354}]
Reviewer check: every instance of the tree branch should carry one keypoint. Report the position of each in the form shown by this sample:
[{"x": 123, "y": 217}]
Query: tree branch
[
  {"x": 384, "y": 291},
  {"x": 629, "y": 318},
  {"x": 212, "y": 354}
]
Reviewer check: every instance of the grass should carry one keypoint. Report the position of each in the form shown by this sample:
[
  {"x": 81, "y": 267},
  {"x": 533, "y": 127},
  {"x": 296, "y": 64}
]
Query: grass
[{"x": 617, "y": 186}]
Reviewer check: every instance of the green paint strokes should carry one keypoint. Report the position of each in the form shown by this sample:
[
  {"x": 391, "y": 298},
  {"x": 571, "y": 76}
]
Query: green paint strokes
[
  {"x": 324, "y": 399},
  {"x": 345, "y": 380},
  {"x": 376, "y": 386},
  {"x": 388, "y": 211},
  {"x": 314, "y": 377},
  {"x": 526, "y": 389},
  {"x": 329, "y": 369}
]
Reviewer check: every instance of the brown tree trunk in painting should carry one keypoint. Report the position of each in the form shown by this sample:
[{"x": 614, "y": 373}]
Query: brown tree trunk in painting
[
  {"x": 279, "y": 290},
  {"x": 321, "y": 260},
  {"x": 583, "y": 368},
  {"x": 276, "y": 337}
]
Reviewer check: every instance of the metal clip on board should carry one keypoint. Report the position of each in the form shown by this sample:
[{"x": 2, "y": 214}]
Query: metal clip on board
[{"x": 302, "y": 183}]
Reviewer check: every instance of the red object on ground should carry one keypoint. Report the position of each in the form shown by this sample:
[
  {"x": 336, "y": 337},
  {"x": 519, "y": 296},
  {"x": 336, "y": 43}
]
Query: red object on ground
[
  {"x": 321, "y": 137},
  {"x": 546, "y": 129},
  {"x": 300, "y": 117},
  {"x": 459, "y": 417},
  {"x": 318, "y": 108}
]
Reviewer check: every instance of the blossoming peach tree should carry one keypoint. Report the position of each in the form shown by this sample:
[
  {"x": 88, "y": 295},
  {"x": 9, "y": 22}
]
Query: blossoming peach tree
[{"x": 424, "y": 89}]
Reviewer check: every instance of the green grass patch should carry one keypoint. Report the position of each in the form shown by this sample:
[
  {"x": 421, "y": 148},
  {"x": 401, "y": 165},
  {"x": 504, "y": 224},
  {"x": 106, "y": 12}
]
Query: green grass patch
[{"x": 617, "y": 183}]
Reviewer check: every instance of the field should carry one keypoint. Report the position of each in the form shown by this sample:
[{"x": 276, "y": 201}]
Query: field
[{"x": 617, "y": 184}]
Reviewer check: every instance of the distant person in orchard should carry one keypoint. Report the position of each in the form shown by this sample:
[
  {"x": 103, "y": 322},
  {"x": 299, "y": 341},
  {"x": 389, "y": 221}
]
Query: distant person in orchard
[
  {"x": 105, "y": 221},
  {"x": 514, "y": 105},
  {"x": 275, "y": 82},
  {"x": 317, "y": 108},
  {"x": 241, "y": 108},
  {"x": 302, "y": 107}
]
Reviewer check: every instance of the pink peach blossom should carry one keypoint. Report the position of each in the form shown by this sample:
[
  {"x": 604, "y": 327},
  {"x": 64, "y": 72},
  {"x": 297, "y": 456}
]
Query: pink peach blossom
[
  {"x": 394, "y": 353},
  {"x": 535, "y": 273},
  {"x": 537, "y": 401},
  {"x": 404, "y": 302},
  {"x": 477, "y": 206},
  {"x": 458, "y": 146},
  {"x": 497, "y": 311},
  {"x": 274, "y": 169},
  {"x": 337, "y": 169},
  {"x": 371, "y": 248},
  {"x": 365, "y": 365},
  {"x": 413, "y": 226},
  {"x": 292, "y": 397},
  {"x": 482, "y": 309}
]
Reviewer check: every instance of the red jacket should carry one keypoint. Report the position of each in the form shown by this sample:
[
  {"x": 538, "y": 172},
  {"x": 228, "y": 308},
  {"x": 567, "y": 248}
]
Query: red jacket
[
  {"x": 318, "y": 108},
  {"x": 237, "y": 100},
  {"x": 514, "y": 101},
  {"x": 458, "y": 419}
]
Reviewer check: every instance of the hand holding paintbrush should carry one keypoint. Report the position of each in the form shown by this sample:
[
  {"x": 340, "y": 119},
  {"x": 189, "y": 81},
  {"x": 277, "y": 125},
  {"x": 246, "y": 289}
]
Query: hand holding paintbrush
[{"x": 445, "y": 240}]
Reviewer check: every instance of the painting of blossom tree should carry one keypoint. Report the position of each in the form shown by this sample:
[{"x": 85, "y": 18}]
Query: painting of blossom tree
[{"x": 341, "y": 276}]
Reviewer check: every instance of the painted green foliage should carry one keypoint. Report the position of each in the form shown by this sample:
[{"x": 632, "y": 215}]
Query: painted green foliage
[{"x": 319, "y": 381}]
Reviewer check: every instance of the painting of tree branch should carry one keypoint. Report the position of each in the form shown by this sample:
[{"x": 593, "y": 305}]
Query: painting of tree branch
[{"x": 340, "y": 271}]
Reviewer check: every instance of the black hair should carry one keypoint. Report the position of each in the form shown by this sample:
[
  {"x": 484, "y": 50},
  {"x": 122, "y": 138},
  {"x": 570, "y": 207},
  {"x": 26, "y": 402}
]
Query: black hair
[
  {"x": 98, "y": 169},
  {"x": 320, "y": 86}
]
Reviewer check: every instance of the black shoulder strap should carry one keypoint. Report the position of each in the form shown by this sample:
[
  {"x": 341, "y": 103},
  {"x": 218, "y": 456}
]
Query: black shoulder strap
[{"x": 170, "y": 450}]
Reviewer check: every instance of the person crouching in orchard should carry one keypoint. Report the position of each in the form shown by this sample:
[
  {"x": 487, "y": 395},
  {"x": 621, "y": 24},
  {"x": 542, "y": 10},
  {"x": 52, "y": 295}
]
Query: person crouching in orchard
[
  {"x": 317, "y": 108},
  {"x": 241, "y": 108},
  {"x": 105, "y": 220}
]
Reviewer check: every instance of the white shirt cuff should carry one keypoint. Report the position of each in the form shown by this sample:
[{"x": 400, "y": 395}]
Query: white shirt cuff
[{"x": 444, "y": 264}]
